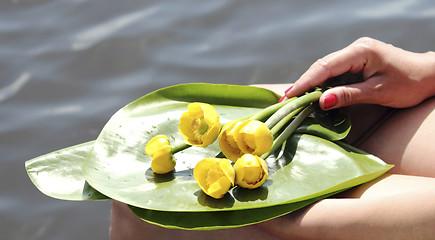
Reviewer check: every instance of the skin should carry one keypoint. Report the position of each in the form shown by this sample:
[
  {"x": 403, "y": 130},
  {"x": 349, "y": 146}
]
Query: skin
[{"x": 400, "y": 204}]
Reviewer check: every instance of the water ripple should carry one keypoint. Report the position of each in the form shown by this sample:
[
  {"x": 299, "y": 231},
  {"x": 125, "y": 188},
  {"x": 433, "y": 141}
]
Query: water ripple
[
  {"x": 388, "y": 9},
  {"x": 14, "y": 87},
  {"x": 93, "y": 35},
  {"x": 64, "y": 110}
]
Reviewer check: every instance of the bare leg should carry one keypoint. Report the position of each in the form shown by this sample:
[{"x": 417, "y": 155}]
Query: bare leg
[{"x": 406, "y": 140}]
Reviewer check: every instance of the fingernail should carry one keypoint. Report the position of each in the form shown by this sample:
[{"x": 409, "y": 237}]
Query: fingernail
[
  {"x": 282, "y": 98},
  {"x": 290, "y": 88},
  {"x": 329, "y": 101}
]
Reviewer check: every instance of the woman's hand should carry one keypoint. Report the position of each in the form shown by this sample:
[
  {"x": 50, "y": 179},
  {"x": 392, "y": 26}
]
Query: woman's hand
[{"x": 392, "y": 76}]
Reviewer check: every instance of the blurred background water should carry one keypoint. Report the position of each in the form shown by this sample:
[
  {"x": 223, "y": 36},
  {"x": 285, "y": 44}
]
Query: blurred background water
[{"x": 67, "y": 65}]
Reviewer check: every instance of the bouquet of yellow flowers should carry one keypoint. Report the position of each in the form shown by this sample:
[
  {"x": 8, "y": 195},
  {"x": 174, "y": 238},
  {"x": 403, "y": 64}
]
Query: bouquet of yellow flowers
[{"x": 209, "y": 156}]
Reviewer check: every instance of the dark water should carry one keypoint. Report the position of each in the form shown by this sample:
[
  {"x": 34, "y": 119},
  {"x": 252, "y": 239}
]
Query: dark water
[{"x": 67, "y": 65}]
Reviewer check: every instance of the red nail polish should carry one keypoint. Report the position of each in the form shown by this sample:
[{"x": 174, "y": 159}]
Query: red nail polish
[
  {"x": 290, "y": 88},
  {"x": 282, "y": 98},
  {"x": 329, "y": 101}
]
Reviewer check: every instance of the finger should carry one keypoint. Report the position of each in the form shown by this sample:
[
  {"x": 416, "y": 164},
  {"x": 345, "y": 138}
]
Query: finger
[
  {"x": 284, "y": 97},
  {"x": 346, "y": 95},
  {"x": 352, "y": 59}
]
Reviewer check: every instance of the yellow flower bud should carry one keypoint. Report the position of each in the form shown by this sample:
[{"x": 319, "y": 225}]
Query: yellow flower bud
[
  {"x": 251, "y": 171},
  {"x": 160, "y": 151},
  {"x": 227, "y": 141},
  {"x": 215, "y": 176},
  {"x": 254, "y": 137},
  {"x": 155, "y": 144},
  {"x": 200, "y": 125}
]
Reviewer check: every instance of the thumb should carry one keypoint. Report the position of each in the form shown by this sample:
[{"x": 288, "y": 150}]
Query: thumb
[{"x": 342, "y": 96}]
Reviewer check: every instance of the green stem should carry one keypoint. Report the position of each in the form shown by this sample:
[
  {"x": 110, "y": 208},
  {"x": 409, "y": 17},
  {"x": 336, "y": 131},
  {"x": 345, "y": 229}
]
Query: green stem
[
  {"x": 289, "y": 130},
  {"x": 291, "y": 106},
  {"x": 284, "y": 121},
  {"x": 180, "y": 147},
  {"x": 267, "y": 112}
]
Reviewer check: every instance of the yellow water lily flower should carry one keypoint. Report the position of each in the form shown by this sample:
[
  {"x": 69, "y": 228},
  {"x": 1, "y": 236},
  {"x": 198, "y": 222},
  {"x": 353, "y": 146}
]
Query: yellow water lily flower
[
  {"x": 227, "y": 141},
  {"x": 251, "y": 171},
  {"x": 160, "y": 151},
  {"x": 254, "y": 137},
  {"x": 215, "y": 176},
  {"x": 200, "y": 125}
]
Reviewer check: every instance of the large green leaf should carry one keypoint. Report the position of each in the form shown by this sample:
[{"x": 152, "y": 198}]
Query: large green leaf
[
  {"x": 59, "y": 174},
  {"x": 309, "y": 166}
]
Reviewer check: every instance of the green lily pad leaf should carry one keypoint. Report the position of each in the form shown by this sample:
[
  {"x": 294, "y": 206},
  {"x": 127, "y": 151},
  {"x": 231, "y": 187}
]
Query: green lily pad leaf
[
  {"x": 118, "y": 167},
  {"x": 59, "y": 174},
  {"x": 333, "y": 125}
]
